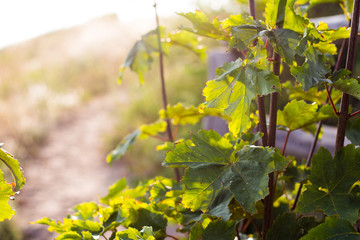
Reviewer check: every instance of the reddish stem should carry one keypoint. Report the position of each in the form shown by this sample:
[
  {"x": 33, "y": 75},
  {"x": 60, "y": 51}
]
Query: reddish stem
[
  {"x": 355, "y": 113},
  {"x": 331, "y": 101}
]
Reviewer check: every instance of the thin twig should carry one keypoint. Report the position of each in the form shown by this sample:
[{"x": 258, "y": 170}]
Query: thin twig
[
  {"x": 163, "y": 89},
  {"x": 331, "y": 101},
  {"x": 354, "y": 113},
  {"x": 255, "y": 225},
  {"x": 172, "y": 237}
]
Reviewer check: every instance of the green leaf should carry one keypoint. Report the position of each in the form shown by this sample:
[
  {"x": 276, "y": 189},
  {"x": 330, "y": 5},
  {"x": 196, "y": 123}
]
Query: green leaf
[
  {"x": 145, "y": 217},
  {"x": 333, "y": 229},
  {"x": 331, "y": 181},
  {"x": 134, "y": 234},
  {"x": 114, "y": 220},
  {"x": 285, "y": 42},
  {"x": 202, "y": 25},
  {"x": 6, "y": 191},
  {"x": 282, "y": 13},
  {"x": 139, "y": 59},
  {"x": 189, "y": 41},
  {"x": 115, "y": 190},
  {"x": 14, "y": 168},
  {"x": 122, "y": 148},
  {"x": 213, "y": 167},
  {"x": 350, "y": 86},
  {"x": 236, "y": 84},
  {"x": 286, "y": 226},
  {"x": 152, "y": 129},
  {"x": 313, "y": 70},
  {"x": 220, "y": 230},
  {"x": 69, "y": 236},
  {"x": 299, "y": 114},
  {"x": 85, "y": 211},
  {"x": 353, "y": 131},
  {"x": 242, "y": 36}
]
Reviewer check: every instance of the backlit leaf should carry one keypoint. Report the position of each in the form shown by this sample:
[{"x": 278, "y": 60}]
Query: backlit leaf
[
  {"x": 331, "y": 180},
  {"x": 350, "y": 86},
  {"x": 204, "y": 27},
  {"x": 152, "y": 129},
  {"x": 123, "y": 147},
  {"x": 220, "y": 230},
  {"x": 299, "y": 114},
  {"x": 134, "y": 234},
  {"x": 313, "y": 70},
  {"x": 6, "y": 191},
  {"x": 14, "y": 167},
  {"x": 213, "y": 167}
]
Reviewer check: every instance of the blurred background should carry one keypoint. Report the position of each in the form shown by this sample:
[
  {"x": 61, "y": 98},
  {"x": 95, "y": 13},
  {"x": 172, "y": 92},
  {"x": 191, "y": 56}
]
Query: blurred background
[{"x": 62, "y": 110}]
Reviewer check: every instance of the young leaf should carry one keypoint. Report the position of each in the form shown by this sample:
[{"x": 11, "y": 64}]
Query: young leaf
[
  {"x": 124, "y": 145},
  {"x": 243, "y": 35},
  {"x": 14, "y": 168},
  {"x": 134, "y": 234},
  {"x": 331, "y": 181},
  {"x": 213, "y": 167},
  {"x": 313, "y": 71},
  {"x": 299, "y": 114},
  {"x": 333, "y": 228},
  {"x": 6, "y": 191},
  {"x": 204, "y": 27},
  {"x": 152, "y": 129}
]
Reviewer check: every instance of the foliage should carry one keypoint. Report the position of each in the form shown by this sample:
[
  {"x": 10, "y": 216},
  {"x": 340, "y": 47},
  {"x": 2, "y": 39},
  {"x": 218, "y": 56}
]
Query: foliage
[{"x": 230, "y": 181}]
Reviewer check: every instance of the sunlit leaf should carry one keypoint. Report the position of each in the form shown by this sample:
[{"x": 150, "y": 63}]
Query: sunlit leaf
[
  {"x": 134, "y": 234},
  {"x": 333, "y": 228},
  {"x": 189, "y": 41},
  {"x": 331, "y": 180},
  {"x": 6, "y": 191},
  {"x": 213, "y": 167},
  {"x": 204, "y": 27},
  {"x": 85, "y": 211},
  {"x": 299, "y": 114},
  {"x": 152, "y": 129},
  {"x": 313, "y": 71},
  {"x": 220, "y": 230},
  {"x": 14, "y": 168},
  {"x": 236, "y": 84}
]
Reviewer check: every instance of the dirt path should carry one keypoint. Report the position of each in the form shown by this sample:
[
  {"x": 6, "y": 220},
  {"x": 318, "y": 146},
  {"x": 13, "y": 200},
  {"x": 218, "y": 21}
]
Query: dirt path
[{"x": 70, "y": 168}]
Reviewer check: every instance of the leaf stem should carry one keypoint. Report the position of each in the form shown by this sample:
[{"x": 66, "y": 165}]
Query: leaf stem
[
  {"x": 170, "y": 236},
  {"x": 350, "y": 60},
  {"x": 255, "y": 225},
  {"x": 285, "y": 143},
  {"x": 163, "y": 88},
  {"x": 354, "y": 113},
  {"x": 331, "y": 101}
]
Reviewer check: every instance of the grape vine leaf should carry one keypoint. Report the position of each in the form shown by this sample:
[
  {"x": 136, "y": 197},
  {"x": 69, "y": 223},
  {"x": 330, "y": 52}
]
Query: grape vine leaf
[
  {"x": 202, "y": 25},
  {"x": 145, "y": 217},
  {"x": 14, "y": 167},
  {"x": 331, "y": 181},
  {"x": 6, "y": 212},
  {"x": 299, "y": 114},
  {"x": 147, "y": 130},
  {"x": 236, "y": 84},
  {"x": 133, "y": 234},
  {"x": 281, "y": 13},
  {"x": 353, "y": 131},
  {"x": 285, "y": 42},
  {"x": 124, "y": 145},
  {"x": 286, "y": 226},
  {"x": 220, "y": 230},
  {"x": 312, "y": 71},
  {"x": 85, "y": 211},
  {"x": 214, "y": 165},
  {"x": 243, "y": 35},
  {"x": 333, "y": 228},
  {"x": 350, "y": 86}
]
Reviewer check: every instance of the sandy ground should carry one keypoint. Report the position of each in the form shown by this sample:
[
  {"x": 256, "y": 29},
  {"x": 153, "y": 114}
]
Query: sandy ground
[{"x": 70, "y": 168}]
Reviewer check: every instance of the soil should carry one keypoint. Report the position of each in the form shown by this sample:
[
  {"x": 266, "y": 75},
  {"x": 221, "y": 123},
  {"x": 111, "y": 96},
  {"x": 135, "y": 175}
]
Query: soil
[{"x": 69, "y": 169}]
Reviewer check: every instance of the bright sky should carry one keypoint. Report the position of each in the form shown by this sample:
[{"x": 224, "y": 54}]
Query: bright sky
[{"x": 25, "y": 19}]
